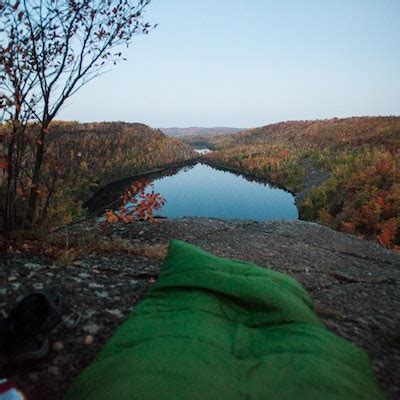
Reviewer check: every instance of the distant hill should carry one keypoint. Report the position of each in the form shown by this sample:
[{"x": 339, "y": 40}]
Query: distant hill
[
  {"x": 191, "y": 131},
  {"x": 114, "y": 150},
  {"x": 330, "y": 133},
  {"x": 353, "y": 131}
]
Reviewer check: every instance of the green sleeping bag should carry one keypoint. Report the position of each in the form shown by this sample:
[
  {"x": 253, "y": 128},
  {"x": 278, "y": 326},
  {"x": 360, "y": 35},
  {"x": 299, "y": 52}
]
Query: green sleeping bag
[{"x": 219, "y": 329}]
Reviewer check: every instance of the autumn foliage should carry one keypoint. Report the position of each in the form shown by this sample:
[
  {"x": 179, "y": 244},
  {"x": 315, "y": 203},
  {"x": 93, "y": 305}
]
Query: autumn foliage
[
  {"x": 48, "y": 50},
  {"x": 136, "y": 203},
  {"x": 359, "y": 156},
  {"x": 80, "y": 158}
]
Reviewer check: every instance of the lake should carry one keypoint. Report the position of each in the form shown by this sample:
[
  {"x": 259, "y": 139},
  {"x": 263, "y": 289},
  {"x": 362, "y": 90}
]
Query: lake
[{"x": 204, "y": 191}]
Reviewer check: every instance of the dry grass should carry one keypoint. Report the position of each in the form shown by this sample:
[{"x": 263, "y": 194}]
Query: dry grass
[{"x": 67, "y": 246}]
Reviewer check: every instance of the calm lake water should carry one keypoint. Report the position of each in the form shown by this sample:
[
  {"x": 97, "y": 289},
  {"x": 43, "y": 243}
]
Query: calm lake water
[{"x": 204, "y": 191}]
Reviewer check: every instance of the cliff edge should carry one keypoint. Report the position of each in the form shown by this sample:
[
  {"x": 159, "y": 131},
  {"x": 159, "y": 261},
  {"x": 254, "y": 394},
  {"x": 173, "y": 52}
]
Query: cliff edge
[{"x": 354, "y": 283}]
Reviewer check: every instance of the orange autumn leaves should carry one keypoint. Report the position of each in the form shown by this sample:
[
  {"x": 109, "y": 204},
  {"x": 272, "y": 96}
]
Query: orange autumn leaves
[
  {"x": 373, "y": 201},
  {"x": 136, "y": 204}
]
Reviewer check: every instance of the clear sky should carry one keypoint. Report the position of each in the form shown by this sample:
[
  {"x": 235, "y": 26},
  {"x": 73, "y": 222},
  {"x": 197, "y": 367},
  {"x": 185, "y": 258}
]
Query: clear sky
[{"x": 245, "y": 63}]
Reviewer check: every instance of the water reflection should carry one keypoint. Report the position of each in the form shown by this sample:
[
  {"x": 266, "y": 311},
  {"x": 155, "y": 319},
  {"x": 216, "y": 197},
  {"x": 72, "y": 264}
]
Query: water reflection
[{"x": 204, "y": 191}]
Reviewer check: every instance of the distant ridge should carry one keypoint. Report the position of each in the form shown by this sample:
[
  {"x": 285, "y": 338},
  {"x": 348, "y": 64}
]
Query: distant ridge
[{"x": 190, "y": 131}]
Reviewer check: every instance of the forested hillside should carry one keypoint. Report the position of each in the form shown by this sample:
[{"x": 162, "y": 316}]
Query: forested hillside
[
  {"x": 361, "y": 156},
  {"x": 81, "y": 157}
]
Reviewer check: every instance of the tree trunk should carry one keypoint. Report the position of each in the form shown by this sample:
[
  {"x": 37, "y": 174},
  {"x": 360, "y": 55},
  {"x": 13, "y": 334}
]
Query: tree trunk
[
  {"x": 9, "y": 197},
  {"x": 32, "y": 210},
  {"x": 10, "y": 211}
]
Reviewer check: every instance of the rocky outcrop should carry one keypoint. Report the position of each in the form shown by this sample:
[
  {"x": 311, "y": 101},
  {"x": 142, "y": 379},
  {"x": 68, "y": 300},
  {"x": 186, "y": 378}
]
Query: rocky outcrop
[
  {"x": 314, "y": 177},
  {"x": 355, "y": 284}
]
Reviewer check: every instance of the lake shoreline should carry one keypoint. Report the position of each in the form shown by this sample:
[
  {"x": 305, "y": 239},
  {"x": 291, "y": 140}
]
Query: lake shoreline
[
  {"x": 313, "y": 178},
  {"x": 91, "y": 201},
  {"x": 252, "y": 176},
  {"x": 107, "y": 197}
]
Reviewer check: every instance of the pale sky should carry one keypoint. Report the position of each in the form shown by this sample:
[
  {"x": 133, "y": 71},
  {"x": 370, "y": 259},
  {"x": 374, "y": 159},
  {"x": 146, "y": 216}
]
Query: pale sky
[{"x": 249, "y": 63}]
